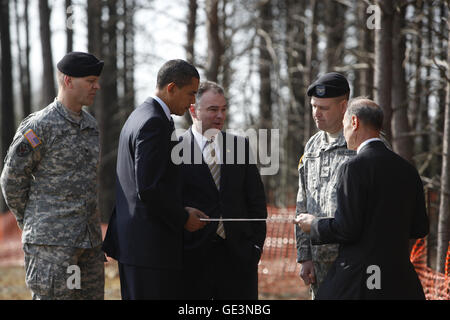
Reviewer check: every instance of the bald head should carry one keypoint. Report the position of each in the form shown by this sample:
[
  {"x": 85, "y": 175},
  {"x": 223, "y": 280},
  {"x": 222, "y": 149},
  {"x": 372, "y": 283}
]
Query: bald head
[
  {"x": 367, "y": 111},
  {"x": 363, "y": 120}
]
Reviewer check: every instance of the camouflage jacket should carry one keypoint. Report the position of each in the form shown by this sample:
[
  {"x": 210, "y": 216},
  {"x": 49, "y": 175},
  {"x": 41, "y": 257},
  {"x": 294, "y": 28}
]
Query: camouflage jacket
[
  {"x": 318, "y": 170},
  {"x": 49, "y": 178}
]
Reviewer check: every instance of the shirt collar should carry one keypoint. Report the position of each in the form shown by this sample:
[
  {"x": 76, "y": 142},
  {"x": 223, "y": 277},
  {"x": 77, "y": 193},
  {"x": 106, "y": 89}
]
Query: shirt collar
[
  {"x": 84, "y": 122},
  {"x": 366, "y": 143},
  {"x": 199, "y": 138},
  {"x": 164, "y": 107}
]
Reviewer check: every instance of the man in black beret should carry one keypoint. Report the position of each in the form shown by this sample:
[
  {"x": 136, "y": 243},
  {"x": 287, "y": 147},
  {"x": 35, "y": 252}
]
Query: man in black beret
[
  {"x": 49, "y": 182},
  {"x": 324, "y": 153}
]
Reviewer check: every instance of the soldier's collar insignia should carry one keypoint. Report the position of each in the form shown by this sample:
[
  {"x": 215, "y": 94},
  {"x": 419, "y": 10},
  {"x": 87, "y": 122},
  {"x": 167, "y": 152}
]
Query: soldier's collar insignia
[{"x": 320, "y": 90}]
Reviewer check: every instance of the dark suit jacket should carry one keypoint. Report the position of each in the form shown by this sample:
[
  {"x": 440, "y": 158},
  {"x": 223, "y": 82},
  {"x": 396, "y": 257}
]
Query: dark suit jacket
[
  {"x": 380, "y": 207},
  {"x": 241, "y": 195},
  {"x": 146, "y": 228}
]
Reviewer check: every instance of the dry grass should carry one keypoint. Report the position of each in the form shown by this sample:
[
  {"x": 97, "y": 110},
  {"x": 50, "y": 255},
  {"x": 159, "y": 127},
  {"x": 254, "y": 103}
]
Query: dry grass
[{"x": 12, "y": 285}]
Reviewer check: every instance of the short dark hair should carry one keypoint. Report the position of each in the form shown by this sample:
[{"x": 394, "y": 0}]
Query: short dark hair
[
  {"x": 207, "y": 86},
  {"x": 177, "y": 71},
  {"x": 367, "y": 111}
]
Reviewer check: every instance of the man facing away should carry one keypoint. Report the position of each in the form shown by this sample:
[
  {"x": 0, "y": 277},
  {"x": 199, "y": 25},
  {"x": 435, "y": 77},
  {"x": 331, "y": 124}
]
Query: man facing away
[
  {"x": 145, "y": 232},
  {"x": 50, "y": 184},
  {"x": 221, "y": 260},
  {"x": 380, "y": 206}
]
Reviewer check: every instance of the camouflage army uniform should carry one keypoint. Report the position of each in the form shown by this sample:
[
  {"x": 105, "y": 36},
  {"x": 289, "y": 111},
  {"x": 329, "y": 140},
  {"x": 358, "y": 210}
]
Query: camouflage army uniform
[
  {"x": 318, "y": 170},
  {"x": 49, "y": 183}
]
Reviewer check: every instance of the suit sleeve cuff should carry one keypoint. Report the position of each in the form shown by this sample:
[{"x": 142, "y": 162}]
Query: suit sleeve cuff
[{"x": 315, "y": 233}]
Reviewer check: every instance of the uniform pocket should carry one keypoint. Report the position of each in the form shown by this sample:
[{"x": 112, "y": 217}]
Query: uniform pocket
[{"x": 38, "y": 276}]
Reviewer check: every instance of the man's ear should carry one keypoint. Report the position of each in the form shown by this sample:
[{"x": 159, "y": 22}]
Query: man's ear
[
  {"x": 67, "y": 81},
  {"x": 171, "y": 87},
  {"x": 192, "y": 111},
  {"x": 355, "y": 122}
]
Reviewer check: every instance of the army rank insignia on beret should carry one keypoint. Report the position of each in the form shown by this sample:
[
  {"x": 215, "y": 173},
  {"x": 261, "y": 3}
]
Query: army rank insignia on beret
[
  {"x": 32, "y": 138},
  {"x": 320, "y": 90}
]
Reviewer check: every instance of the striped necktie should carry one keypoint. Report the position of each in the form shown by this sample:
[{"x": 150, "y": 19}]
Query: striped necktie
[{"x": 214, "y": 168}]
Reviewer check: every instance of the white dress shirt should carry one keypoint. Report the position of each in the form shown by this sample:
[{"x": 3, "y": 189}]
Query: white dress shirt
[
  {"x": 367, "y": 142},
  {"x": 201, "y": 141}
]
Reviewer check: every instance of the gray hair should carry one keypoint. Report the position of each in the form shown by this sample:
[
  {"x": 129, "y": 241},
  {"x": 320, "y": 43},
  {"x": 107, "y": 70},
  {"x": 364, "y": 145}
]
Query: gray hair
[
  {"x": 206, "y": 86},
  {"x": 367, "y": 111}
]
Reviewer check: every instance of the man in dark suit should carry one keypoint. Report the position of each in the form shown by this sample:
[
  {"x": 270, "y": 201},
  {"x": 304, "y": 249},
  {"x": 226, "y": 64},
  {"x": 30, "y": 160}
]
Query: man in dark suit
[
  {"x": 145, "y": 232},
  {"x": 219, "y": 178},
  {"x": 380, "y": 206}
]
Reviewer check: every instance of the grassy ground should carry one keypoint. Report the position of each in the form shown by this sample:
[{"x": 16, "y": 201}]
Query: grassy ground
[{"x": 12, "y": 285}]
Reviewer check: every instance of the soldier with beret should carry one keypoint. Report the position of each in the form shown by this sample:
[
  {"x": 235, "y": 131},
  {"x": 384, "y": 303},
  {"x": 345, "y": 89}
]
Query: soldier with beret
[
  {"x": 49, "y": 182},
  {"x": 324, "y": 153}
]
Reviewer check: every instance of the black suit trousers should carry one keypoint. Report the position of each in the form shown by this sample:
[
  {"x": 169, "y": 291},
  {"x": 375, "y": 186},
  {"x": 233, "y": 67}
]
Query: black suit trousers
[
  {"x": 143, "y": 283},
  {"x": 219, "y": 278}
]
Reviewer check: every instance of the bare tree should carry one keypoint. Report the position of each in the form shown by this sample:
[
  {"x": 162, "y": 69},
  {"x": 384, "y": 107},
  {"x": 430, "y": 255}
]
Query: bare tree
[
  {"x": 383, "y": 63},
  {"x": 108, "y": 115},
  {"x": 95, "y": 40},
  {"x": 363, "y": 84},
  {"x": 444, "y": 207},
  {"x": 23, "y": 59},
  {"x": 69, "y": 26},
  {"x": 190, "y": 49},
  {"x": 48, "y": 83},
  {"x": 128, "y": 39},
  {"x": 401, "y": 138},
  {"x": 335, "y": 32},
  {"x": 215, "y": 47},
  {"x": 311, "y": 57},
  {"x": 7, "y": 98}
]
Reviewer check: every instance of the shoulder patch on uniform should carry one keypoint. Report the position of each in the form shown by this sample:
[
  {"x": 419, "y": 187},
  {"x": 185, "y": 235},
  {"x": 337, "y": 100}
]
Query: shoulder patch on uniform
[
  {"x": 23, "y": 149},
  {"x": 32, "y": 138},
  {"x": 300, "y": 162}
]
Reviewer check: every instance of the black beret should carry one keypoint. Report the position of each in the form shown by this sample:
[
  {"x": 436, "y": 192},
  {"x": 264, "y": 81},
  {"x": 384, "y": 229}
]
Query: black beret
[
  {"x": 329, "y": 85},
  {"x": 80, "y": 64}
]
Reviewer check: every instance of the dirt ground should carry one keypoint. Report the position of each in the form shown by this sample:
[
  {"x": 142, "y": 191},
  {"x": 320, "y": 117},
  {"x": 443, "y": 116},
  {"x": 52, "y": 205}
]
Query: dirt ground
[{"x": 12, "y": 285}]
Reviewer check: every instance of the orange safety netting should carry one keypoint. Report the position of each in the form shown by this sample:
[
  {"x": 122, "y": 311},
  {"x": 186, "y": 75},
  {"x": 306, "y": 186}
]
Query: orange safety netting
[
  {"x": 278, "y": 269},
  {"x": 435, "y": 285},
  {"x": 279, "y": 272}
]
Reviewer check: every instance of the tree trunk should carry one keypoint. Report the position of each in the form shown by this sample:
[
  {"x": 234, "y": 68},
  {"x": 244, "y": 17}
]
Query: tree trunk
[
  {"x": 416, "y": 100},
  {"x": 7, "y": 101},
  {"x": 265, "y": 88},
  {"x": 48, "y": 84},
  {"x": 128, "y": 58},
  {"x": 364, "y": 77},
  {"x": 69, "y": 26},
  {"x": 23, "y": 59},
  {"x": 95, "y": 42},
  {"x": 311, "y": 55},
  {"x": 190, "y": 49},
  {"x": 108, "y": 116},
  {"x": 383, "y": 63},
  {"x": 215, "y": 49},
  {"x": 402, "y": 140},
  {"x": 444, "y": 206},
  {"x": 295, "y": 61},
  {"x": 335, "y": 32}
]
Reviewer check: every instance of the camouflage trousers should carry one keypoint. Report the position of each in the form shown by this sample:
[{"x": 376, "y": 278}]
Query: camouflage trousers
[
  {"x": 320, "y": 269},
  {"x": 64, "y": 273}
]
